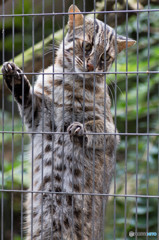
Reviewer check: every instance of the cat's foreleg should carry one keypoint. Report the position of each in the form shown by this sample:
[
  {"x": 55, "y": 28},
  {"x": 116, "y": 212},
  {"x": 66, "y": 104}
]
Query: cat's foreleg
[
  {"x": 15, "y": 80},
  {"x": 101, "y": 135}
]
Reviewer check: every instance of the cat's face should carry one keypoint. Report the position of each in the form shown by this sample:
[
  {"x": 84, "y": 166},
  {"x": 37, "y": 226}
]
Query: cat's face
[
  {"x": 90, "y": 52},
  {"x": 90, "y": 46}
]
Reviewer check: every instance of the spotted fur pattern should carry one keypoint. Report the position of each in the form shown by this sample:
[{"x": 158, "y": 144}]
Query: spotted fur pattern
[{"x": 76, "y": 161}]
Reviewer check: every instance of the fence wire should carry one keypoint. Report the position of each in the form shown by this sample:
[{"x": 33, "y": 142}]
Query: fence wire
[{"x": 117, "y": 197}]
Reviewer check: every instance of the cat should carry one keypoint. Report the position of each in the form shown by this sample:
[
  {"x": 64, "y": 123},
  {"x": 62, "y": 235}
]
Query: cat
[{"x": 68, "y": 108}]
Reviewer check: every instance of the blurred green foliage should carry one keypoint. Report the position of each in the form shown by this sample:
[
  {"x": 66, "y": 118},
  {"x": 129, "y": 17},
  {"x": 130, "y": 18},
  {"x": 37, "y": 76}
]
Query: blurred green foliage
[{"x": 136, "y": 109}]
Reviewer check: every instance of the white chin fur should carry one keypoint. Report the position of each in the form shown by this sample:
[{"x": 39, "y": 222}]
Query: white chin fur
[
  {"x": 85, "y": 75},
  {"x": 81, "y": 74}
]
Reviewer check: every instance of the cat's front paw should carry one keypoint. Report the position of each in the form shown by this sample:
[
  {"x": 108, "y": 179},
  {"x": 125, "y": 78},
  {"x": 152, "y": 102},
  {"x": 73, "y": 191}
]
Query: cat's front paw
[
  {"x": 76, "y": 131},
  {"x": 11, "y": 73},
  {"x": 14, "y": 76}
]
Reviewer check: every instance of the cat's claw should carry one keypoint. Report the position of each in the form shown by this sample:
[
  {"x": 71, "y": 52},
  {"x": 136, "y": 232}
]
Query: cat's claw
[
  {"x": 7, "y": 68},
  {"x": 14, "y": 76},
  {"x": 76, "y": 129},
  {"x": 11, "y": 71}
]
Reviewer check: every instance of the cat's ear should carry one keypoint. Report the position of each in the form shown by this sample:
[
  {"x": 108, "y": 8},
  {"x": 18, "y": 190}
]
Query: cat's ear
[
  {"x": 78, "y": 18},
  {"x": 124, "y": 42}
]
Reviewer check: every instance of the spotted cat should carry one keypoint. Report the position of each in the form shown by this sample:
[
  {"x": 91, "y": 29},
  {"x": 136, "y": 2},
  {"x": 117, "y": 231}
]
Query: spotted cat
[{"x": 69, "y": 105}]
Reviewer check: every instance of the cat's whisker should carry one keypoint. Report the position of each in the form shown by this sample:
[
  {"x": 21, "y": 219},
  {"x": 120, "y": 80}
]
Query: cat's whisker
[
  {"x": 47, "y": 52},
  {"x": 51, "y": 50},
  {"x": 56, "y": 44},
  {"x": 79, "y": 59},
  {"x": 79, "y": 62},
  {"x": 113, "y": 82},
  {"x": 111, "y": 95},
  {"x": 51, "y": 46}
]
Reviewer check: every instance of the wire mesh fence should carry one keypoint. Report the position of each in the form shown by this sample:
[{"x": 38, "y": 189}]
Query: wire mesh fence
[{"x": 69, "y": 171}]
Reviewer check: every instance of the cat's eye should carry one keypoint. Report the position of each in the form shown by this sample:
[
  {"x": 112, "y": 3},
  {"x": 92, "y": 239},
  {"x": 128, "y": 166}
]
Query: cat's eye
[
  {"x": 107, "y": 57},
  {"x": 88, "y": 47}
]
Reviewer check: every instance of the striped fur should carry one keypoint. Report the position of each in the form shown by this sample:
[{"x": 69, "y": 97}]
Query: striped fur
[{"x": 76, "y": 161}]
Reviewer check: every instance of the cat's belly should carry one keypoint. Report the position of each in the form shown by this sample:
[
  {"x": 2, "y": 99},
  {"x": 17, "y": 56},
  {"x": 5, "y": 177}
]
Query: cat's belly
[{"x": 65, "y": 181}]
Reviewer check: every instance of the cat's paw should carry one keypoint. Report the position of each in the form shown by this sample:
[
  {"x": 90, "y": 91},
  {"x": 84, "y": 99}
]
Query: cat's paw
[
  {"x": 76, "y": 131},
  {"x": 14, "y": 76},
  {"x": 11, "y": 74}
]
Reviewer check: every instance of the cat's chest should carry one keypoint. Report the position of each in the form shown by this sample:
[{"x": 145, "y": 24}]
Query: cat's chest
[
  {"x": 76, "y": 108},
  {"x": 71, "y": 103}
]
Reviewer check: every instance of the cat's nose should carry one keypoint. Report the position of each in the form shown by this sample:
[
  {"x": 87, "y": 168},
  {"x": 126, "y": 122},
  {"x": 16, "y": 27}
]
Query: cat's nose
[{"x": 90, "y": 67}]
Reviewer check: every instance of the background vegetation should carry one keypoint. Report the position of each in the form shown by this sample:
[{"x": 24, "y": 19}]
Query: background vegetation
[{"x": 134, "y": 100}]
